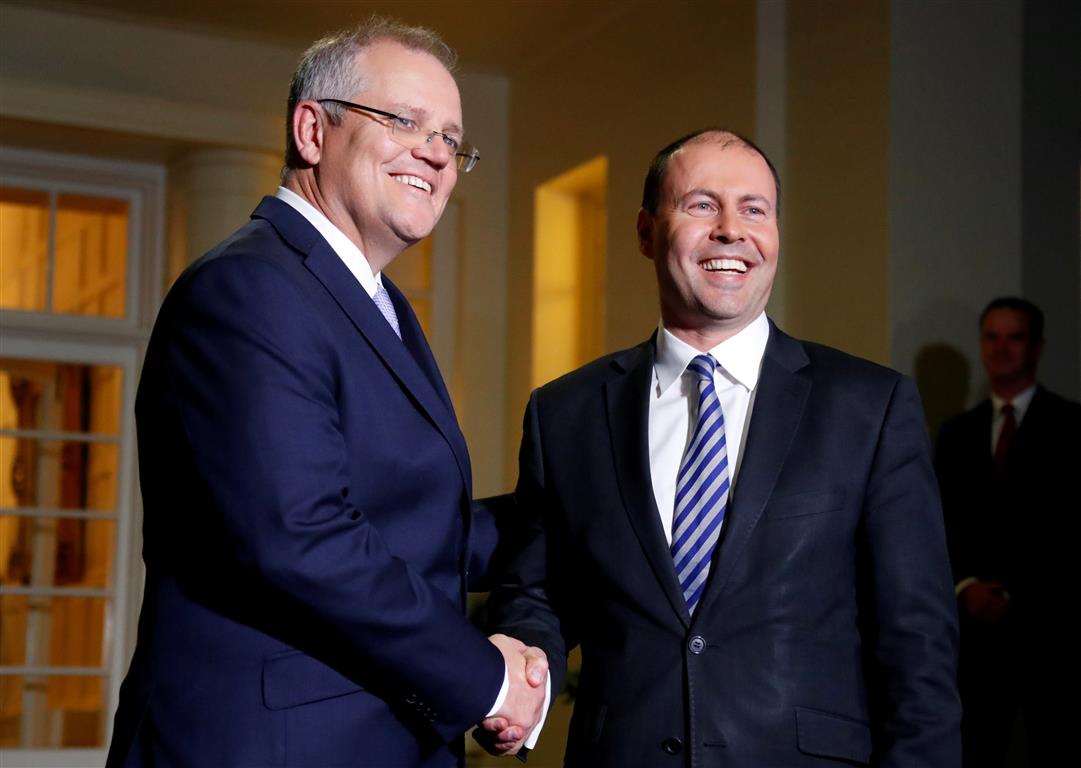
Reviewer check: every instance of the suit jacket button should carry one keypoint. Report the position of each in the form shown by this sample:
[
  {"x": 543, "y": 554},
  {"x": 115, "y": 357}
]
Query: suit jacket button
[
  {"x": 696, "y": 644},
  {"x": 672, "y": 745}
]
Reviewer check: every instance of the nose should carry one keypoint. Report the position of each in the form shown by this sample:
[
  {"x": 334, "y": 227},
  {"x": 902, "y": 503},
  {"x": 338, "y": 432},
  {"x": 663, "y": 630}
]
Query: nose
[
  {"x": 727, "y": 227},
  {"x": 434, "y": 151}
]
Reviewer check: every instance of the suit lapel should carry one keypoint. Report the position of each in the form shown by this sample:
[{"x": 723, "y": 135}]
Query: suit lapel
[
  {"x": 980, "y": 438},
  {"x": 627, "y": 400},
  {"x": 406, "y": 366},
  {"x": 417, "y": 344},
  {"x": 1029, "y": 425},
  {"x": 778, "y": 407}
]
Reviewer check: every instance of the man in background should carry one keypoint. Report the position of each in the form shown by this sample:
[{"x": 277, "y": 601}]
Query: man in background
[
  {"x": 309, "y": 536},
  {"x": 740, "y": 529},
  {"x": 1008, "y": 470}
]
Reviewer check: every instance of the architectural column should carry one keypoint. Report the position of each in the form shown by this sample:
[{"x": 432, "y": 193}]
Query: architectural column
[{"x": 212, "y": 192}]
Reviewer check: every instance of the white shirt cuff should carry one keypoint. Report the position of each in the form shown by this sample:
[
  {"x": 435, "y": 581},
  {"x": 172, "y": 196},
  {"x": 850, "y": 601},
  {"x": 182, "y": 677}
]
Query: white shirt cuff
[
  {"x": 964, "y": 584},
  {"x": 531, "y": 740},
  {"x": 503, "y": 691}
]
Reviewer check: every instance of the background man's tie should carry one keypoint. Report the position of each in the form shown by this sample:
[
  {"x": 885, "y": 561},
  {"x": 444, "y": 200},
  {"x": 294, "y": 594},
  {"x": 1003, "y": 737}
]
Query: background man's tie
[
  {"x": 1005, "y": 435},
  {"x": 386, "y": 306},
  {"x": 701, "y": 488}
]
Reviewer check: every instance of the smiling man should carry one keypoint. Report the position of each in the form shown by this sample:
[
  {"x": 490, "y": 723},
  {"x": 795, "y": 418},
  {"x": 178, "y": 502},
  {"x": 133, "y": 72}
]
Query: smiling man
[
  {"x": 309, "y": 535},
  {"x": 740, "y": 530}
]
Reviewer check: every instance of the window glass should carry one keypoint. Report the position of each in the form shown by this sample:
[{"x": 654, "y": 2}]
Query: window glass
[
  {"x": 24, "y": 248},
  {"x": 91, "y": 256},
  {"x": 63, "y": 253}
]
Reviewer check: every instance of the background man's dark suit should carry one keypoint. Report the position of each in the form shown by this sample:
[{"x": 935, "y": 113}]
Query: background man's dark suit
[
  {"x": 308, "y": 524},
  {"x": 1017, "y": 528},
  {"x": 827, "y": 631}
]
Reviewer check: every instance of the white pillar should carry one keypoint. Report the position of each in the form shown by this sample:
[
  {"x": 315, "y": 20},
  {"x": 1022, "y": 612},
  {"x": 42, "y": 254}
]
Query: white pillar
[{"x": 212, "y": 193}]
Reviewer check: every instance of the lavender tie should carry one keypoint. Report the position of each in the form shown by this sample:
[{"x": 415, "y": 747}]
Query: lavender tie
[{"x": 382, "y": 300}]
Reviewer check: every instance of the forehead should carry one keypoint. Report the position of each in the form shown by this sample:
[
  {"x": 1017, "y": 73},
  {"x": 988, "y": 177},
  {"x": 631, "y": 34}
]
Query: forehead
[
  {"x": 1006, "y": 320},
  {"x": 714, "y": 165},
  {"x": 409, "y": 78}
]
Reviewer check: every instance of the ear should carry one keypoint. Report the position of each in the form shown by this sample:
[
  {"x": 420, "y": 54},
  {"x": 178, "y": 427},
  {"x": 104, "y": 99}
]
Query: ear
[
  {"x": 309, "y": 121},
  {"x": 645, "y": 233}
]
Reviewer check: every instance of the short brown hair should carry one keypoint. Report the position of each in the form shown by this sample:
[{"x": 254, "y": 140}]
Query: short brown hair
[
  {"x": 327, "y": 69},
  {"x": 651, "y": 190},
  {"x": 1032, "y": 313}
]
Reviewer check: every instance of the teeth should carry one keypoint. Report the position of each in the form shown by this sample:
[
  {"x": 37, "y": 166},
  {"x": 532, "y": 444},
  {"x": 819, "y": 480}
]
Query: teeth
[
  {"x": 414, "y": 181},
  {"x": 714, "y": 265}
]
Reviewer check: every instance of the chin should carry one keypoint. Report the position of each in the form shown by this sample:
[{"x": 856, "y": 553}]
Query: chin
[{"x": 414, "y": 232}]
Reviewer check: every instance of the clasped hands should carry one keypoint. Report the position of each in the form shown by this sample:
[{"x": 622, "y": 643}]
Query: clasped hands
[{"x": 506, "y": 731}]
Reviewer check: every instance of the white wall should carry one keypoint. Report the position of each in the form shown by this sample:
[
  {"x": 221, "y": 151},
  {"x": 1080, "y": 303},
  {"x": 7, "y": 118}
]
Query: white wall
[{"x": 955, "y": 184}]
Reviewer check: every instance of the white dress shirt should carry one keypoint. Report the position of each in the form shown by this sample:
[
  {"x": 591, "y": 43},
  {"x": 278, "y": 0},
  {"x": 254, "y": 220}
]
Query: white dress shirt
[
  {"x": 356, "y": 263},
  {"x": 346, "y": 249},
  {"x": 673, "y": 404}
]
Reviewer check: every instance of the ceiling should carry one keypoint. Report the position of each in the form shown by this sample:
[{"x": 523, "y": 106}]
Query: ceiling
[{"x": 498, "y": 36}]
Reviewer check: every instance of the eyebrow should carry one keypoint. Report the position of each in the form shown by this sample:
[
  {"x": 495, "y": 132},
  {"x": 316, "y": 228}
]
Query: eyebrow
[
  {"x": 750, "y": 197},
  {"x": 419, "y": 113}
]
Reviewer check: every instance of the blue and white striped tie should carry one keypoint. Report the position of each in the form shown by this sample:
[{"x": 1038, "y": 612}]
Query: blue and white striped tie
[{"x": 701, "y": 488}]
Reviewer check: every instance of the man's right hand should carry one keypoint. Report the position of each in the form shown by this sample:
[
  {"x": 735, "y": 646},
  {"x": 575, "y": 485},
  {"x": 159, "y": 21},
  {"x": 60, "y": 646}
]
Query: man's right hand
[
  {"x": 527, "y": 669},
  {"x": 986, "y": 601}
]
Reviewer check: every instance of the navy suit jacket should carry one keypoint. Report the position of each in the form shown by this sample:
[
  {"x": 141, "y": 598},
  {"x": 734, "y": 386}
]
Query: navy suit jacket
[
  {"x": 307, "y": 524},
  {"x": 826, "y": 634}
]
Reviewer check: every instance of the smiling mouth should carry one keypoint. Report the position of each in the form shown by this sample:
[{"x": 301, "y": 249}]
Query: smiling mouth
[
  {"x": 413, "y": 181},
  {"x": 730, "y": 266}
]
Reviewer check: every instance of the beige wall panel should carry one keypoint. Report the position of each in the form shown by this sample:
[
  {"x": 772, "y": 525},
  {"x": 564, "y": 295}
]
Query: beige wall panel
[
  {"x": 836, "y": 239},
  {"x": 655, "y": 72}
]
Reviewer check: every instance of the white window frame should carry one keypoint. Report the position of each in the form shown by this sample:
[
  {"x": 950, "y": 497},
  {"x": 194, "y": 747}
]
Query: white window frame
[{"x": 119, "y": 342}]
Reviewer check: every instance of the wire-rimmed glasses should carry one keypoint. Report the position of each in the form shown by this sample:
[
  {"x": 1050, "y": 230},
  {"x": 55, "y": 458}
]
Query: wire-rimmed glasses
[{"x": 407, "y": 132}]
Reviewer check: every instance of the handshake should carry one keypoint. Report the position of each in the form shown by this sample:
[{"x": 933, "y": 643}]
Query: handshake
[{"x": 507, "y": 730}]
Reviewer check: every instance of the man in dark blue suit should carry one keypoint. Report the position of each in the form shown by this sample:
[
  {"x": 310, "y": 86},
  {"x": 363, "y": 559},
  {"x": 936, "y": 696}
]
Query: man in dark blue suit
[
  {"x": 741, "y": 530},
  {"x": 1007, "y": 470},
  {"x": 309, "y": 537}
]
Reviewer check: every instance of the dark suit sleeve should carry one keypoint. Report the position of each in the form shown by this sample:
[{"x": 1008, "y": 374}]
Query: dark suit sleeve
[
  {"x": 493, "y": 520},
  {"x": 908, "y": 613},
  {"x": 528, "y": 600},
  {"x": 251, "y": 373}
]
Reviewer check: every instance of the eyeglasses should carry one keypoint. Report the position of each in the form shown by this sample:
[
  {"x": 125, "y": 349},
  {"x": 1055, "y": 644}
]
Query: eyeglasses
[{"x": 409, "y": 134}]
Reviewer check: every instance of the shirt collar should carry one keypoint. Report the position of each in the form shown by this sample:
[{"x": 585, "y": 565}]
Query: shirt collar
[
  {"x": 740, "y": 356},
  {"x": 345, "y": 248},
  {"x": 1020, "y": 402}
]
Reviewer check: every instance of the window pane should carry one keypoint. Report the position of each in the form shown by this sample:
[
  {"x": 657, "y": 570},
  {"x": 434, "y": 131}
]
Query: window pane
[
  {"x": 91, "y": 255},
  {"x": 52, "y": 712},
  {"x": 58, "y": 475},
  {"x": 11, "y": 695},
  {"x": 24, "y": 248},
  {"x": 52, "y": 631},
  {"x": 52, "y": 551},
  {"x": 67, "y": 397}
]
